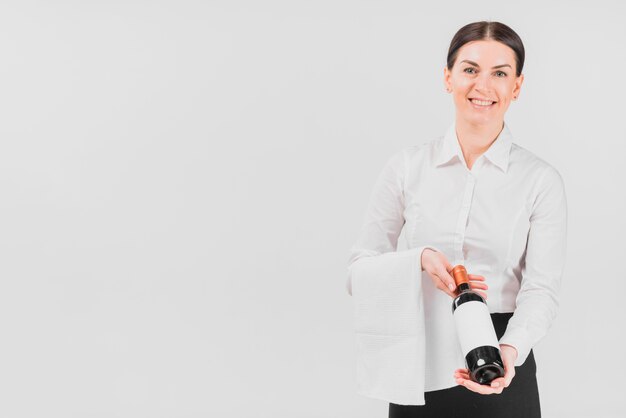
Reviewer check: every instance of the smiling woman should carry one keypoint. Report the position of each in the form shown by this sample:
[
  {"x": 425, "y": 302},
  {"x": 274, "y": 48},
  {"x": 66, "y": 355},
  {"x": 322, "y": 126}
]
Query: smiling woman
[
  {"x": 472, "y": 197},
  {"x": 484, "y": 74}
]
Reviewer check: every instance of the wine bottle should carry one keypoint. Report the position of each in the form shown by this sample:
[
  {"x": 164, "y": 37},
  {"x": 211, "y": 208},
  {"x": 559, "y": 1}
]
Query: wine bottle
[{"x": 477, "y": 336}]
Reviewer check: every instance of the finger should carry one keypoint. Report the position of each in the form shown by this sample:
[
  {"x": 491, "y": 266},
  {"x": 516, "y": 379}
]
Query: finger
[
  {"x": 483, "y": 294},
  {"x": 446, "y": 279},
  {"x": 475, "y": 277},
  {"x": 509, "y": 369},
  {"x": 478, "y": 388},
  {"x": 441, "y": 285},
  {"x": 479, "y": 285},
  {"x": 463, "y": 376},
  {"x": 509, "y": 373},
  {"x": 498, "y": 383},
  {"x": 445, "y": 290},
  {"x": 479, "y": 289}
]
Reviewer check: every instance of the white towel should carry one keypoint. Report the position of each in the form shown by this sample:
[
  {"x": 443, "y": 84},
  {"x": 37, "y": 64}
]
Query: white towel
[{"x": 389, "y": 326}]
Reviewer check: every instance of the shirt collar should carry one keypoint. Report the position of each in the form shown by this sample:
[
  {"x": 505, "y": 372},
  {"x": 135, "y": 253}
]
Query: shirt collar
[{"x": 498, "y": 153}]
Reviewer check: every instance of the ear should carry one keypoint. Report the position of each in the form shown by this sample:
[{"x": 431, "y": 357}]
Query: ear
[
  {"x": 446, "y": 78},
  {"x": 518, "y": 85}
]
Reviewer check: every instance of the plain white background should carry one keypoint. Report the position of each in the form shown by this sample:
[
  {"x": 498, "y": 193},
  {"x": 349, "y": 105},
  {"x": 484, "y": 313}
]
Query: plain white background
[{"x": 180, "y": 184}]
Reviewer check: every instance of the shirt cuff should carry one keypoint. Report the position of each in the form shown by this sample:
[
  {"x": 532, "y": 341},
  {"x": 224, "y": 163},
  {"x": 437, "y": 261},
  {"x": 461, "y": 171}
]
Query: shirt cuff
[{"x": 518, "y": 338}]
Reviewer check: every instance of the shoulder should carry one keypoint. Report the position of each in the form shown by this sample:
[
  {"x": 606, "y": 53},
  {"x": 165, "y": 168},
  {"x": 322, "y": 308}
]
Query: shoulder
[
  {"x": 400, "y": 163},
  {"x": 530, "y": 165},
  {"x": 424, "y": 150},
  {"x": 544, "y": 180},
  {"x": 401, "y": 159}
]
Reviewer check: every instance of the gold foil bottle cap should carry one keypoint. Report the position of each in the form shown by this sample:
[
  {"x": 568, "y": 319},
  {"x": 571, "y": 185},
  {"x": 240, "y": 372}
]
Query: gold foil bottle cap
[{"x": 460, "y": 275}]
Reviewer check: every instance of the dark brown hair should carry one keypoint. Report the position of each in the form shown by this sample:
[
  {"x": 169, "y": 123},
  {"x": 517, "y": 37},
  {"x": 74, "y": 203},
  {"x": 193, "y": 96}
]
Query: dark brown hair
[{"x": 484, "y": 30}]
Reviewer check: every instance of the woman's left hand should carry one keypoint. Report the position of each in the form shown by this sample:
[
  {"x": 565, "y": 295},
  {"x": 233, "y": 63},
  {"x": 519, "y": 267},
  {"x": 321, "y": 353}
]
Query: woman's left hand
[{"x": 509, "y": 355}]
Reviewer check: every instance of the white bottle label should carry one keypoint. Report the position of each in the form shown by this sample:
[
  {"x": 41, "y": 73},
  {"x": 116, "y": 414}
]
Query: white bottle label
[{"x": 474, "y": 326}]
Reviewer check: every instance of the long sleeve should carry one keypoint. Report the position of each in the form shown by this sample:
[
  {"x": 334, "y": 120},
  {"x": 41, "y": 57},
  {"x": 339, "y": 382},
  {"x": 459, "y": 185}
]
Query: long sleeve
[
  {"x": 386, "y": 289},
  {"x": 383, "y": 220},
  {"x": 537, "y": 301}
]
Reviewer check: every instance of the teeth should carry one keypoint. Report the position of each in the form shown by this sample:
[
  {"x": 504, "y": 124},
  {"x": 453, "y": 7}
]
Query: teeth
[{"x": 481, "y": 102}]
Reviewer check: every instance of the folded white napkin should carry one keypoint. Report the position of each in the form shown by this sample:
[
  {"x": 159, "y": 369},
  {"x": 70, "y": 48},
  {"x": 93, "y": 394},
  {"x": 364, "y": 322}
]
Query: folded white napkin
[{"x": 389, "y": 326}]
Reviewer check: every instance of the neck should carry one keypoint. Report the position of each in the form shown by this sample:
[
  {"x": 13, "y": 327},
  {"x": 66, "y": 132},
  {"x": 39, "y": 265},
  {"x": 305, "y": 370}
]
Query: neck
[
  {"x": 463, "y": 287},
  {"x": 475, "y": 139}
]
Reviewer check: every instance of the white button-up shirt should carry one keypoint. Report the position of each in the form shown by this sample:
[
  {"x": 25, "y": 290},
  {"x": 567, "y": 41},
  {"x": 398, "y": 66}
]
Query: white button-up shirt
[{"x": 505, "y": 219}]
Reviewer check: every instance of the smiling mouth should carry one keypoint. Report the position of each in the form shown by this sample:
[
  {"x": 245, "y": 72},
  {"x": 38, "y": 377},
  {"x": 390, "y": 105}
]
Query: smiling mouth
[{"x": 482, "y": 103}]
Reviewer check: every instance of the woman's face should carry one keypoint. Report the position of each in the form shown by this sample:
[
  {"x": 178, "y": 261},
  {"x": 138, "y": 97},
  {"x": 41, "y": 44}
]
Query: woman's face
[{"x": 483, "y": 70}]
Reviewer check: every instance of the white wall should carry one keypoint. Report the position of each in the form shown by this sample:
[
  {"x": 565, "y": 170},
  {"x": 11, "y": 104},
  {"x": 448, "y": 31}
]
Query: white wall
[{"x": 180, "y": 183}]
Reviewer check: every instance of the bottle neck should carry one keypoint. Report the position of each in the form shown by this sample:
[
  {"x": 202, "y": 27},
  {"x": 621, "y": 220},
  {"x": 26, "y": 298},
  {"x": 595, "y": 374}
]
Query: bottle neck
[{"x": 463, "y": 287}]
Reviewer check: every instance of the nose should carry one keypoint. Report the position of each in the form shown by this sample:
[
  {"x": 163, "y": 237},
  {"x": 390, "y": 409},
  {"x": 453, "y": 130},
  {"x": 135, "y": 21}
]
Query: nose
[{"x": 483, "y": 82}]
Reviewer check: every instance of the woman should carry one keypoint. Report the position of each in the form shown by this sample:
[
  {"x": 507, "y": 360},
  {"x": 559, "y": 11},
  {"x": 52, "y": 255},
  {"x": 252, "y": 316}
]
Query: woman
[{"x": 471, "y": 197}]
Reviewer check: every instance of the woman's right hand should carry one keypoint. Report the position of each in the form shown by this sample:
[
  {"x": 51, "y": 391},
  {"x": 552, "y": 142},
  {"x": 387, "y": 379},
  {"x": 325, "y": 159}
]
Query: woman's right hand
[{"x": 438, "y": 268}]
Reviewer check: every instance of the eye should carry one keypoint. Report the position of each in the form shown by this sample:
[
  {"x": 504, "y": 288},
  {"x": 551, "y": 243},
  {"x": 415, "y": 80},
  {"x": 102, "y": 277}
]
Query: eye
[
  {"x": 468, "y": 68},
  {"x": 501, "y": 72}
]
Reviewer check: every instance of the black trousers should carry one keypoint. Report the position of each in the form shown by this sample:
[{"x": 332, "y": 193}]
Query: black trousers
[{"x": 520, "y": 399}]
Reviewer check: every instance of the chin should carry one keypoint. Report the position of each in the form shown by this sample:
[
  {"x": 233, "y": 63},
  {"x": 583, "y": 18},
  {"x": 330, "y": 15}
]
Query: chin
[{"x": 480, "y": 119}]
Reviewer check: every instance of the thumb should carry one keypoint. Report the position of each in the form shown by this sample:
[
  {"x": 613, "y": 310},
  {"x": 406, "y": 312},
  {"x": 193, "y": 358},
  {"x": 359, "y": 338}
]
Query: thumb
[
  {"x": 449, "y": 268},
  {"x": 446, "y": 278},
  {"x": 509, "y": 370}
]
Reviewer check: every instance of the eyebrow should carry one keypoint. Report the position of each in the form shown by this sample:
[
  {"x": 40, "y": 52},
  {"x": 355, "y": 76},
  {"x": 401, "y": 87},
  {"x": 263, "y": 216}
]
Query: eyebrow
[{"x": 497, "y": 66}]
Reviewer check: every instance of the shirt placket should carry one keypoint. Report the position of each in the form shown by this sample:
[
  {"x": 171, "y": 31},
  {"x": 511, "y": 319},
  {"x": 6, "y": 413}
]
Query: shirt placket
[{"x": 459, "y": 233}]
